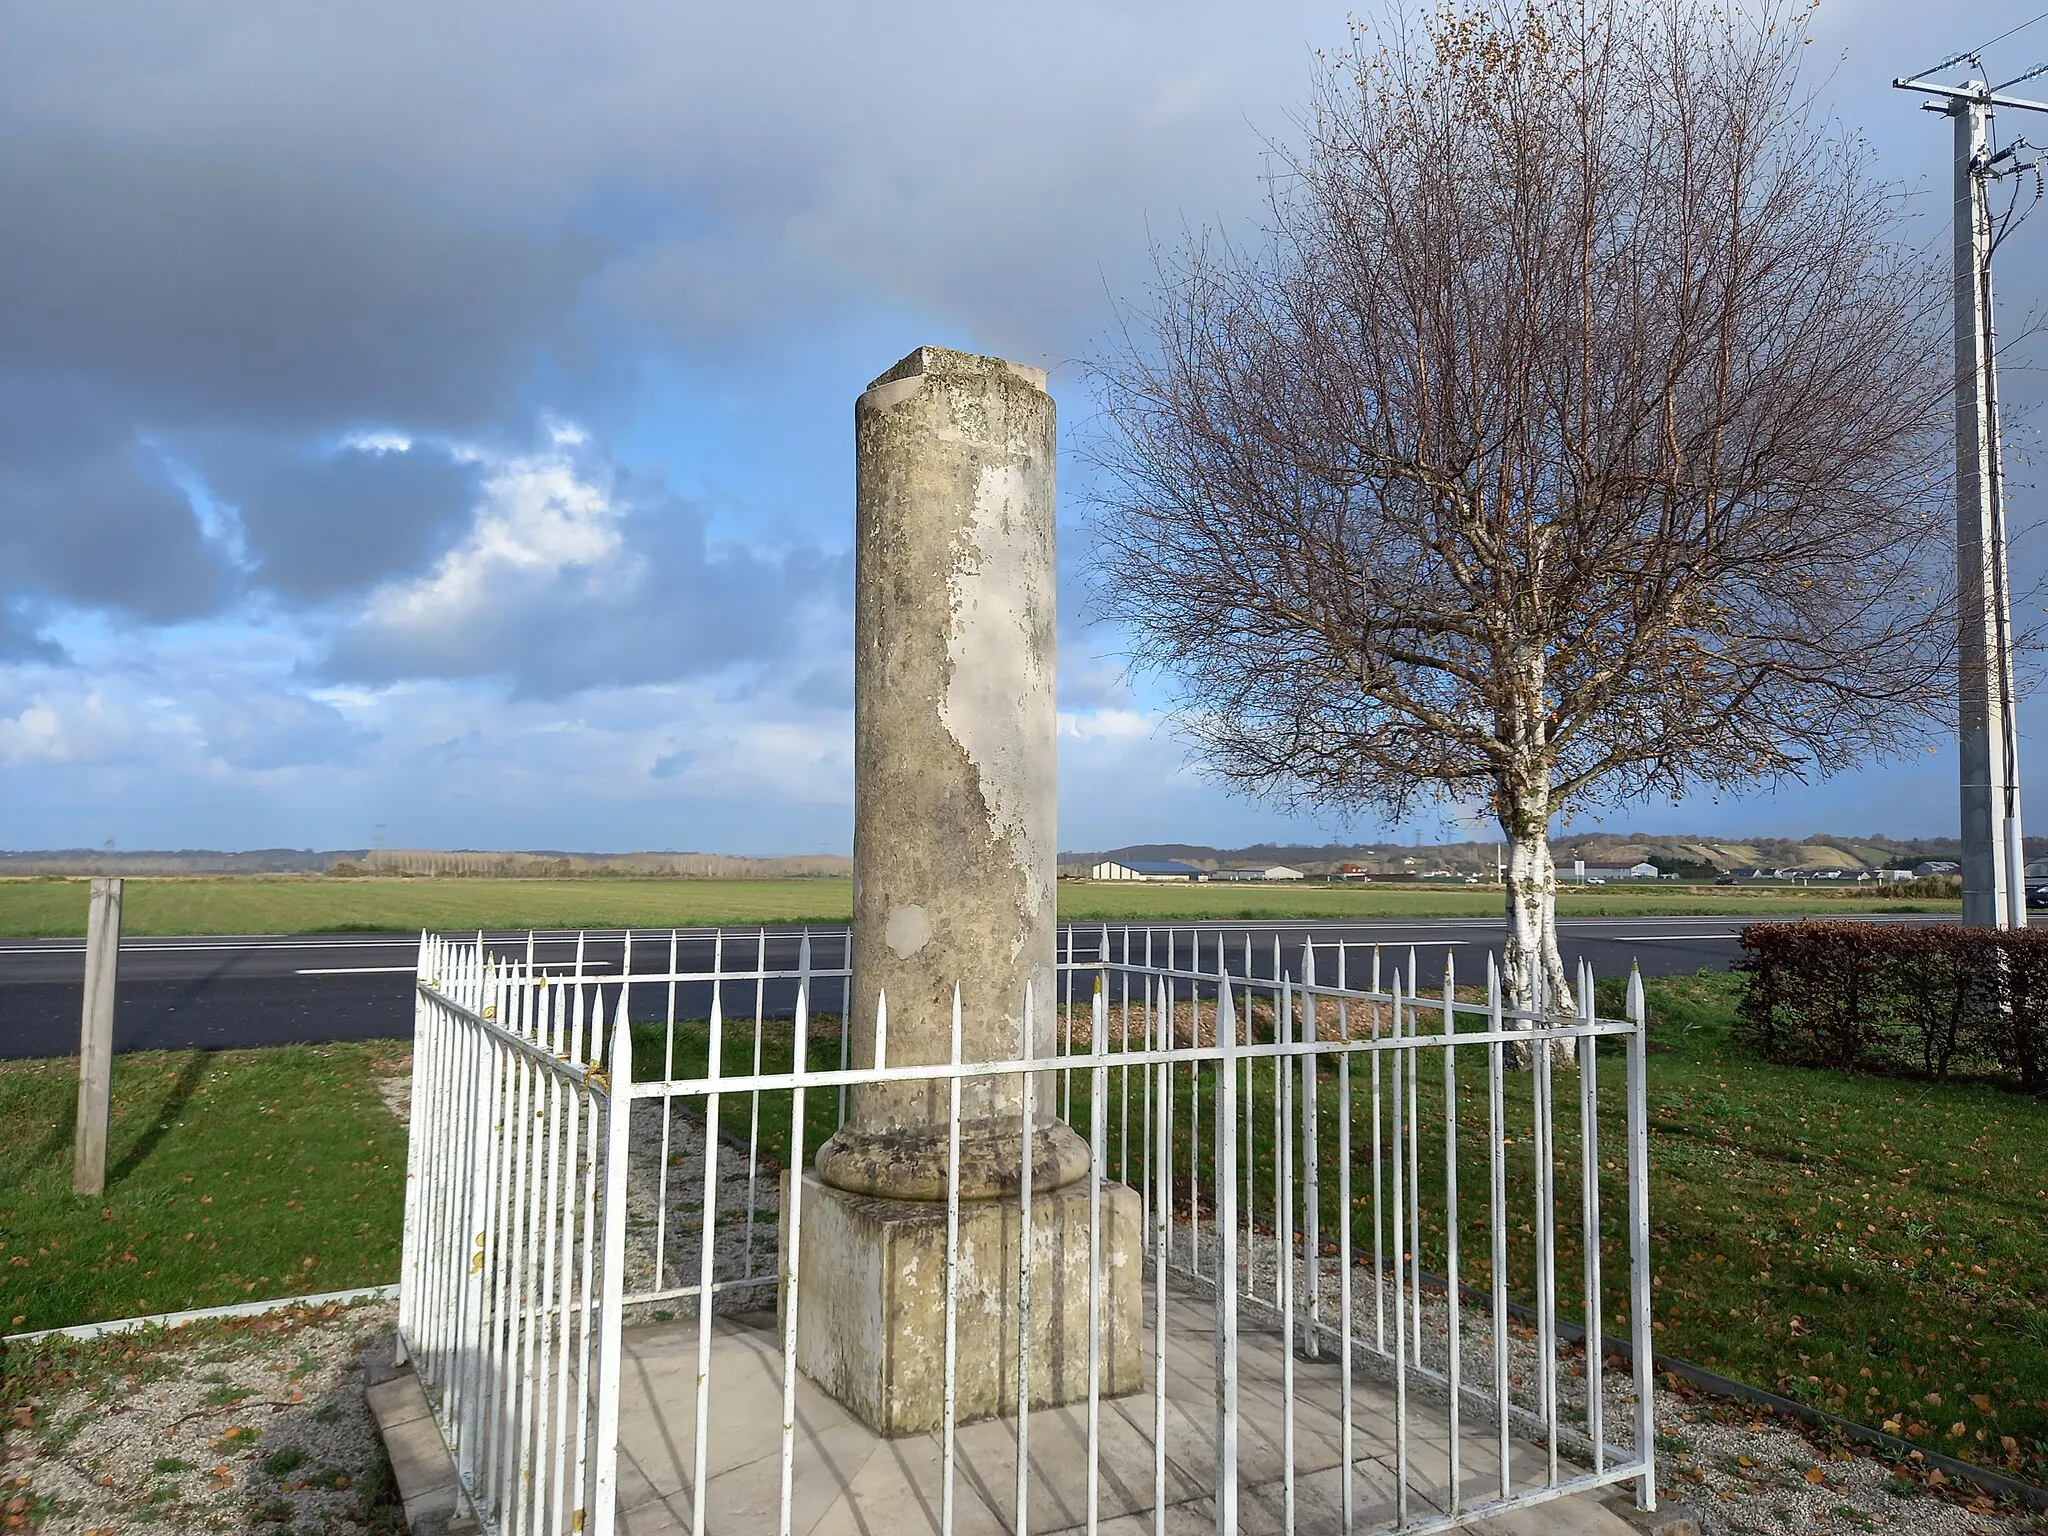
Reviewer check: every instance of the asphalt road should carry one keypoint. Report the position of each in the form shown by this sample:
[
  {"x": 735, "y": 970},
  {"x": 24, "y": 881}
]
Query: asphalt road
[{"x": 213, "y": 993}]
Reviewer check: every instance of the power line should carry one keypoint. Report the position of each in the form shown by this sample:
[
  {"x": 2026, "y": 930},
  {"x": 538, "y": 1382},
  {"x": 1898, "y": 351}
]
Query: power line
[{"x": 1971, "y": 53}]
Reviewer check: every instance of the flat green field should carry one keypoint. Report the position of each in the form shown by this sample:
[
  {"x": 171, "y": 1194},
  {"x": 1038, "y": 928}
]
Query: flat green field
[{"x": 49, "y": 907}]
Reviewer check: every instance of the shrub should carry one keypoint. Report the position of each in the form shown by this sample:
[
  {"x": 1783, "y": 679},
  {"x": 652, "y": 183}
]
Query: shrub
[{"x": 1928, "y": 1000}]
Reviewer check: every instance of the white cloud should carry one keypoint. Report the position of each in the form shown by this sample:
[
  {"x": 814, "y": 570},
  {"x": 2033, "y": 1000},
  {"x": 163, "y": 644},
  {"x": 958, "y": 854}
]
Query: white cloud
[{"x": 540, "y": 517}]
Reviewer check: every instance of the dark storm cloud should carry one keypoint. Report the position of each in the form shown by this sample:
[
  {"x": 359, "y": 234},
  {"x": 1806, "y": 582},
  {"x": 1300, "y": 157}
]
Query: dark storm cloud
[
  {"x": 19, "y": 640},
  {"x": 324, "y": 521},
  {"x": 191, "y": 291},
  {"x": 90, "y": 513}
]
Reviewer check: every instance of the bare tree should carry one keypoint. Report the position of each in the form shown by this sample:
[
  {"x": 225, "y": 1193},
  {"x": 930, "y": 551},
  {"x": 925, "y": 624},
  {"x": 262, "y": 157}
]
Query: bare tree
[{"x": 1575, "y": 432}]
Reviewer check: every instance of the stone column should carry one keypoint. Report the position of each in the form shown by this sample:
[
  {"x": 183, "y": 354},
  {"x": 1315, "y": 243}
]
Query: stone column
[{"x": 954, "y": 868}]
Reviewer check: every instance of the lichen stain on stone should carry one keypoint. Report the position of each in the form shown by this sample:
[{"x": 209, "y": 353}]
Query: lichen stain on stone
[
  {"x": 999, "y": 675},
  {"x": 908, "y": 930}
]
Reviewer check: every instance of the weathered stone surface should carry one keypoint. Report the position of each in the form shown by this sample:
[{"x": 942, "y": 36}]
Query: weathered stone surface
[
  {"x": 954, "y": 845},
  {"x": 910, "y": 1164},
  {"x": 872, "y": 1302}
]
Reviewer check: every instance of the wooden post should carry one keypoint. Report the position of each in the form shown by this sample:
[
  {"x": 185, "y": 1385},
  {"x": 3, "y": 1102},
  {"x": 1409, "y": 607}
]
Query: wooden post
[{"x": 96, "y": 1039}]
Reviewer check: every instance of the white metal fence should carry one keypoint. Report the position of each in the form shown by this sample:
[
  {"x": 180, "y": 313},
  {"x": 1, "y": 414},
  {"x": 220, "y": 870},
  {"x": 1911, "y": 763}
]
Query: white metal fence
[
  {"x": 1395, "y": 1211},
  {"x": 514, "y": 1225}
]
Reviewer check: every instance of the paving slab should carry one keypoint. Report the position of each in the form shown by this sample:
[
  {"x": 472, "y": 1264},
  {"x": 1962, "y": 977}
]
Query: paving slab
[{"x": 847, "y": 1481}]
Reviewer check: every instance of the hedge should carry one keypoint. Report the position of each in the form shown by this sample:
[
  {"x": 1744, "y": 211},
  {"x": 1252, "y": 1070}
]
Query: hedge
[{"x": 1922, "y": 1000}]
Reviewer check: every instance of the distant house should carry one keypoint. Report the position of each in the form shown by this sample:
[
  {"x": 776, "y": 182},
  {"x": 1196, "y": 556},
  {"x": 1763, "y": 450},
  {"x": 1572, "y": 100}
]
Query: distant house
[
  {"x": 1936, "y": 867},
  {"x": 1145, "y": 869},
  {"x": 1259, "y": 872},
  {"x": 1617, "y": 872}
]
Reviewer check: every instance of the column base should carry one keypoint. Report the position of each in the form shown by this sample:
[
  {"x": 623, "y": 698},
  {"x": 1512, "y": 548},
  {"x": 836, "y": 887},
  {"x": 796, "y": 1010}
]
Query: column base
[{"x": 871, "y": 1302}]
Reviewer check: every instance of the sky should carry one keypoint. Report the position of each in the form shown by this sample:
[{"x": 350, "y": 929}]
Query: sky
[{"x": 430, "y": 426}]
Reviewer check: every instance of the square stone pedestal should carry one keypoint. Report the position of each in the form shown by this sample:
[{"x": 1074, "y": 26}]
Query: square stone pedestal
[{"x": 871, "y": 1302}]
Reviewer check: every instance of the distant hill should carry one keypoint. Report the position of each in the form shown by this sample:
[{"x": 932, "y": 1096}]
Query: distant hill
[
  {"x": 1821, "y": 851},
  {"x": 182, "y": 861},
  {"x": 473, "y": 863}
]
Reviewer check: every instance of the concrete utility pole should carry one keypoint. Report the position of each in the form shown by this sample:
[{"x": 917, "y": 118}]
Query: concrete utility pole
[
  {"x": 1994, "y": 864},
  {"x": 96, "y": 1039}
]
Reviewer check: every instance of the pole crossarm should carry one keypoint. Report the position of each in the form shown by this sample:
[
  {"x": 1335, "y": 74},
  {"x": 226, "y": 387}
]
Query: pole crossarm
[{"x": 1977, "y": 93}]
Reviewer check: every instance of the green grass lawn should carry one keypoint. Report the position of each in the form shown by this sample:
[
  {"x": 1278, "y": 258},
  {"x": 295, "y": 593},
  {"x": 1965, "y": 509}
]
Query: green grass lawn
[
  {"x": 1873, "y": 1247},
  {"x": 231, "y": 1176},
  {"x": 48, "y": 907}
]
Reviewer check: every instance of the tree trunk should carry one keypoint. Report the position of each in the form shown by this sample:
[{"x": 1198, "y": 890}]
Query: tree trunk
[{"x": 1536, "y": 978}]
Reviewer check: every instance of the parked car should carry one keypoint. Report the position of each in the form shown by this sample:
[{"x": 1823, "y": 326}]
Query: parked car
[
  {"x": 2037, "y": 895},
  {"x": 1724, "y": 880}
]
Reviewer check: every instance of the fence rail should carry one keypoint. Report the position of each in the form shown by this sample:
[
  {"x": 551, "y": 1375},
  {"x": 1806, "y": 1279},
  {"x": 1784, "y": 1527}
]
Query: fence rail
[{"x": 1332, "y": 1169}]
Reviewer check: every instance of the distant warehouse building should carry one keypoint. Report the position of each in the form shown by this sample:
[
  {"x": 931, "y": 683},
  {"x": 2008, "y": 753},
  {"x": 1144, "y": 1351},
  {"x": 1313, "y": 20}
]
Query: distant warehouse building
[
  {"x": 1260, "y": 872},
  {"x": 1145, "y": 869}
]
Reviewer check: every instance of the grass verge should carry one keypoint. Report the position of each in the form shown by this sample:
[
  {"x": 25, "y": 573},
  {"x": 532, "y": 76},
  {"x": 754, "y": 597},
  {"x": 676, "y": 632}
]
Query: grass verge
[
  {"x": 231, "y": 1176},
  {"x": 48, "y": 907}
]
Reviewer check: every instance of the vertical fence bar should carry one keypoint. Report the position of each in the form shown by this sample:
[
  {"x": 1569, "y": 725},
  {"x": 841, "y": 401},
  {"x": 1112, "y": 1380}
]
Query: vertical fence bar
[
  {"x": 597, "y": 1227},
  {"x": 618, "y": 1119},
  {"x": 1123, "y": 1117},
  {"x": 1411, "y": 1027},
  {"x": 1063, "y": 1037},
  {"x": 411, "y": 1233},
  {"x": 1246, "y": 1115},
  {"x": 1379, "y": 1221},
  {"x": 1195, "y": 1100},
  {"x": 701, "y": 1455},
  {"x": 792, "y": 1237},
  {"x": 949, "y": 1406},
  {"x": 1546, "y": 1257},
  {"x": 1098, "y": 1140},
  {"x": 1024, "y": 1274},
  {"x": 1347, "y": 1431},
  {"x": 1153, "y": 1042},
  {"x": 1398, "y": 1210},
  {"x": 571, "y": 1134},
  {"x": 540, "y": 1381},
  {"x": 1162, "y": 1216},
  {"x": 1639, "y": 1243},
  {"x": 1226, "y": 1259},
  {"x": 530, "y": 1302},
  {"x": 1283, "y": 1272},
  {"x": 1311, "y": 1154},
  {"x": 1589, "y": 1215},
  {"x": 1456, "y": 1342},
  {"x": 754, "y": 1098},
  {"x": 1496, "y": 1123},
  {"x": 513, "y": 1327}
]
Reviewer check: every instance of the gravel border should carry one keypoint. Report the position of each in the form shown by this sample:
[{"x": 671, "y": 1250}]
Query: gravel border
[{"x": 255, "y": 1423}]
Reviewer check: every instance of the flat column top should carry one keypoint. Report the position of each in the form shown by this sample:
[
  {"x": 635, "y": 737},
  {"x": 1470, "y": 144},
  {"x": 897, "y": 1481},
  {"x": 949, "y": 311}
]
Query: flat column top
[{"x": 930, "y": 362}]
